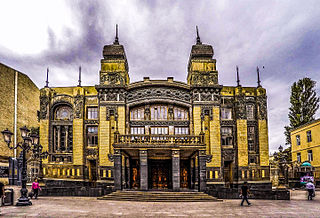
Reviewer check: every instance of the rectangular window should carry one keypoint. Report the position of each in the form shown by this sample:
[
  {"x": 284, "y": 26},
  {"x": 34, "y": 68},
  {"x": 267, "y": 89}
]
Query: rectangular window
[
  {"x": 250, "y": 111},
  {"x": 251, "y": 138},
  {"x": 310, "y": 156},
  {"x": 226, "y": 136},
  {"x": 298, "y": 139},
  {"x": 159, "y": 112},
  {"x": 159, "y": 130},
  {"x": 92, "y": 113},
  {"x": 180, "y": 114},
  {"x": 309, "y": 138},
  {"x": 226, "y": 113},
  {"x": 137, "y": 130},
  {"x": 92, "y": 135},
  {"x": 181, "y": 131},
  {"x": 137, "y": 114},
  {"x": 299, "y": 157}
]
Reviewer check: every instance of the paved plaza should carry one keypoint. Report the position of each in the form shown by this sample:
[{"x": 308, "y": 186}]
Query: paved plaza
[{"x": 91, "y": 207}]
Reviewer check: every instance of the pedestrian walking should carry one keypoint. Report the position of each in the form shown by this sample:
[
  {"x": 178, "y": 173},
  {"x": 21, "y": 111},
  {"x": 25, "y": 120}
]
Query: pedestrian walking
[
  {"x": 2, "y": 195},
  {"x": 244, "y": 193},
  {"x": 35, "y": 188},
  {"x": 311, "y": 190}
]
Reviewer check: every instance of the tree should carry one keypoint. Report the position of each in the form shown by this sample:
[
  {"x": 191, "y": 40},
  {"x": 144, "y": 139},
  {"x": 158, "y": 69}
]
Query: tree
[{"x": 304, "y": 104}]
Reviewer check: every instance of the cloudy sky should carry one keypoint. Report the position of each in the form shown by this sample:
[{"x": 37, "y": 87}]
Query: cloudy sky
[{"x": 283, "y": 36}]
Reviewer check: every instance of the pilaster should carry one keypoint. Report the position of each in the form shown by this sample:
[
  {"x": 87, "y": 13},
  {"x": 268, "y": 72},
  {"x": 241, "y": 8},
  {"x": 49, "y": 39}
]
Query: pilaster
[
  {"x": 143, "y": 155},
  {"x": 117, "y": 169},
  {"x": 202, "y": 170},
  {"x": 175, "y": 170}
]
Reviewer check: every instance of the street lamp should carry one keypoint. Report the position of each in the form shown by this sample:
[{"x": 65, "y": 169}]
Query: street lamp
[
  {"x": 28, "y": 140},
  {"x": 38, "y": 153}
]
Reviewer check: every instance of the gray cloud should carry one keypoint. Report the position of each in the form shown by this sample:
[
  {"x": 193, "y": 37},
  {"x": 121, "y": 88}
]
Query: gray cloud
[{"x": 158, "y": 35}]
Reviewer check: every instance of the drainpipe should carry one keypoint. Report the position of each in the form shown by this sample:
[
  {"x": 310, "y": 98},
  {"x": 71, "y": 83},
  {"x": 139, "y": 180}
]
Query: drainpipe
[{"x": 15, "y": 110}]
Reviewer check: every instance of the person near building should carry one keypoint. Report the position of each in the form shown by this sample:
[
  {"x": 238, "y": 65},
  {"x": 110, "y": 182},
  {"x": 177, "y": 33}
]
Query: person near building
[
  {"x": 2, "y": 194},
  {"x": 244, "y": 193},
  {"x": 311, "y": 190},
  {"x": 35, "y": 188}
]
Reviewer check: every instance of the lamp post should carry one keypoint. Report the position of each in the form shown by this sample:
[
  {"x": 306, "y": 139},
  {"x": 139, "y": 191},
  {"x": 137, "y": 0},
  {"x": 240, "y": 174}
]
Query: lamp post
[
  {"x": 38, "y": 153},
  {"x": 28, "y": 141},
  {"x": 281, "y": 158}
]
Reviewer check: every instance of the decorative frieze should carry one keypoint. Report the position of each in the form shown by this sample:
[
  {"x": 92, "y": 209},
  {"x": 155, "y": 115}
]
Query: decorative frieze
[
  {"x": 240, "y": 107},
  {"x": 78, "y": 106},
  {"x": 262, "y": 107},
  {"x": 160, "y": 123},
  {"x": 206, "y": 94},
  {"x": 159, "y": 92},
  {"x": 44, "y": 105}
]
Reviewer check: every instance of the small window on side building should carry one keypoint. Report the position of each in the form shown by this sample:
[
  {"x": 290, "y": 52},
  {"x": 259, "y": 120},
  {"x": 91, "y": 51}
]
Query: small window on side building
[
  {"x": 298, "y": 139},
  {"x": 309, "y": 138}
]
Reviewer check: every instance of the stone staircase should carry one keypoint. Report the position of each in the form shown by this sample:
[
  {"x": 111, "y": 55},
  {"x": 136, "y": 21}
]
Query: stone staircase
[{"x": 158, "y": 196}]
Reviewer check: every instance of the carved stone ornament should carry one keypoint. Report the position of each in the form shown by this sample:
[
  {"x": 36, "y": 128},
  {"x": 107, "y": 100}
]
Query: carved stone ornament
[
  {"x": 262, "y": 107},
  {"x": 209, "y": 158},
  {"x": 111, "y": 111},
  {"x": 91, "y": 122},
  {"x": 228, "y": 154},
  {"x": 112, "y": 94},
  {"x": 44, "y": 104},
  {"x": 78, "y": 105},
  {"x": 240, "y": 106},
  {"x": 160, "y": 123},
  {"x": 204, "y": 79},
  {"x": 112, "y": 79},
  {"x": 206, "y": 94},
  {"x": 156, "y": 93},
  {"x": 110, "y": 157},
  {"x": 207, "y": 111},
  {"x": 92, "y": 153}
]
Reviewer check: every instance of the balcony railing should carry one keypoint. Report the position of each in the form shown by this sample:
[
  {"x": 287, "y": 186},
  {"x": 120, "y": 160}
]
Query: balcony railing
[{"x": 182, "y": 140}]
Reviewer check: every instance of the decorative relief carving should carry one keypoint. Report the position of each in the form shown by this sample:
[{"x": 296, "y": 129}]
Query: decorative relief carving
[
  {"x": 78, "y": 106},
  {"x": 206, "y": 94},
  {"x": 209, "y": 158},
  {"x": 112, "y": 79},
  {"x": 207, "y": 111},
  {"x": 262, "y": 107},
  {"x": 228, "y": 154},
  {"x": 240, "y": 106},
  {"x": 159, "y": 123},
  {"x": 110, "y": 157},
  {"x": 91, "y": 122},
  {"x": 112, "y": 94},
  {"x": 111, "y": 111},
  {"x": 204, "y": 79},
  {"x": 155, "y": 93},
  {"x": 227, "y": 122},
  {"x": 92, "y": 153},
  {"x": 44, "y": 105}
]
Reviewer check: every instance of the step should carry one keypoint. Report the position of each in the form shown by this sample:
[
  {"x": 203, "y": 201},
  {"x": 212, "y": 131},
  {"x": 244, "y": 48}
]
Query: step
[{"x": 158, "y": 196}]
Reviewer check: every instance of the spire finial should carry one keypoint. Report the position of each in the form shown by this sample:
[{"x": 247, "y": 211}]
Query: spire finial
[
  {"x": 198, "y": 37},
  {"x": 79, "y": 76},
  {"x": 258, "y": 74},
  {"x": 238, "y": 80},
  {"x": 116, "y": 39},
  {"x": 47, "y": 81}
]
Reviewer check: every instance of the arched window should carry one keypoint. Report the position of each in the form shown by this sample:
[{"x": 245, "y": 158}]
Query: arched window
[
  {"x": 62, "y": 134},
  {"x": 63, "y": 113}
]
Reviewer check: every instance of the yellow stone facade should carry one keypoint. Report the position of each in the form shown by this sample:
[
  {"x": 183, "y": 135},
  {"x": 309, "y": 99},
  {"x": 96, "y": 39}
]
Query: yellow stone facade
[
  {"x": 225, "y": 130},
  {"x": 305, "y": 142},
  {"x": 15, "y": 85}
]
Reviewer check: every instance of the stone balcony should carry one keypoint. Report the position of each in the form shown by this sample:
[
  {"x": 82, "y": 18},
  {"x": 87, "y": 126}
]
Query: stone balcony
[{"x": 131, "y": 140}]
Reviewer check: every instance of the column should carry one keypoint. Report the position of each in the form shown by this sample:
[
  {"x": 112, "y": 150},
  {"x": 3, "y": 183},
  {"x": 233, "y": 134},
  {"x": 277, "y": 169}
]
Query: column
[
  {"x": 66, "y": 139},
  {"x": 175, "y": 170},
  {"x": 143, "y": 154},
  {"x": 117, "y": 157},
  {"x": 58, "y": 144},
  {"x": 202, "y": 170}
]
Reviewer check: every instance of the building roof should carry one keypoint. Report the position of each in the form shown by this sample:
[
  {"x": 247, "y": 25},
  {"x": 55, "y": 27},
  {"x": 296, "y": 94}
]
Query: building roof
[{"x": 304, "y": 125}]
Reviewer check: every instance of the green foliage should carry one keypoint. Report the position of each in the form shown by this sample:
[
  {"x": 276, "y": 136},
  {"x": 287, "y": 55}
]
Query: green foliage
[{"x": 304, "y": 104}]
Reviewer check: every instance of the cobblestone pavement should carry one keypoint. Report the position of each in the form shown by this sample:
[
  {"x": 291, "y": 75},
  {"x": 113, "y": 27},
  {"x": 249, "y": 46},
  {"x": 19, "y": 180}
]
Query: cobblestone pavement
[{"x": 91, "y": 207}]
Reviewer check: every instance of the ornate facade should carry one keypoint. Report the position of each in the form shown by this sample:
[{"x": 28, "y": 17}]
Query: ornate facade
[{"x": 156, "y": 134}]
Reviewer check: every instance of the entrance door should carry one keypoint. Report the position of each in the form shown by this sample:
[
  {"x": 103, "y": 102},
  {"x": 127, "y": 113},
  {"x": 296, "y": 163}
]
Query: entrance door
[
  {"x": 160, "y": 174},
  {"x": 228, "y": 176},
  {"x": 184, "y": 174},
  {"x": 135, "y": 174},
  {"x": 92, "y": 170}
]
